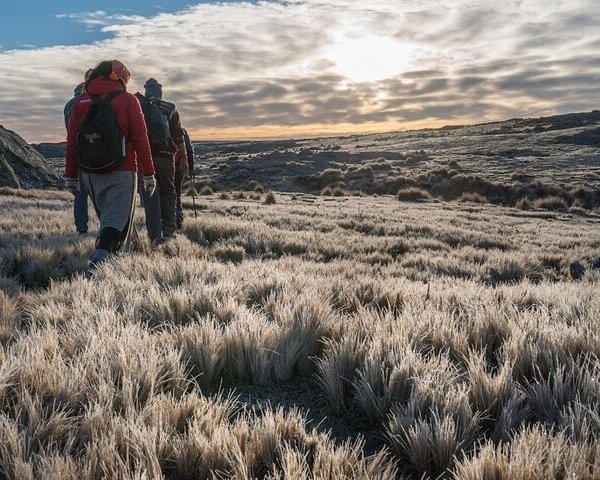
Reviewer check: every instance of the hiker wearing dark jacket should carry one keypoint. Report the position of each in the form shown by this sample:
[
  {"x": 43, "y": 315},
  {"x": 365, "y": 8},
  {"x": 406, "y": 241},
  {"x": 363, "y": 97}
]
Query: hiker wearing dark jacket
[
  {"x": 112, "y": 192},
  {"x": 80, "y": 203},
  {"x": 161, "y": 208},
  {"x": 181, "y": 168}
]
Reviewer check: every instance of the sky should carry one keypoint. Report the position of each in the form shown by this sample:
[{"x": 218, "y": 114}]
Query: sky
[{"x": 293, "y": 68}]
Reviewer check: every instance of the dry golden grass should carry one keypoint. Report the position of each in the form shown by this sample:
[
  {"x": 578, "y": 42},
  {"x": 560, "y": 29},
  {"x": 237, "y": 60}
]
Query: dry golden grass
[{"x": 451, "y": 329}]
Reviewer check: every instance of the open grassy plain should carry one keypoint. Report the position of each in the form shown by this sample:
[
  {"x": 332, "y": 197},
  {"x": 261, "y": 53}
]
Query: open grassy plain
[{"x": 303, "y": 337}]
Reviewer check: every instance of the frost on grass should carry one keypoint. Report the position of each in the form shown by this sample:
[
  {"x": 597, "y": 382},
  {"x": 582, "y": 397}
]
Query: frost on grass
[{"x": 451, "y": 329}]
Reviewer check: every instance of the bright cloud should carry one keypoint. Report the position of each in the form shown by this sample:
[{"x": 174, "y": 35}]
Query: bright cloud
[
  {"x": 321, "y": 66},
  {"x": 100, "y": 18}
]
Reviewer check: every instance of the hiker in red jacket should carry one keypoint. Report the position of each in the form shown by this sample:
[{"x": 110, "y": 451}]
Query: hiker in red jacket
[{"x": 112, "y": 189}]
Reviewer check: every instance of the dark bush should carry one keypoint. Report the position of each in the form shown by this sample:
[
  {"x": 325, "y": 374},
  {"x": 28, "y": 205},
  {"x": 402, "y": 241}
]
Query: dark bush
[
  {"x": 585, "y": 198},
  {"x": 256, "y": 187},
  {"x": 270, "y": 199},
  {"x": 524, "y": 204}
]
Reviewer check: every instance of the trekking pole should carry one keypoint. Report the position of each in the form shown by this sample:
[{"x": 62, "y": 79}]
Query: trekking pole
[{"x": 192, "y": 176}]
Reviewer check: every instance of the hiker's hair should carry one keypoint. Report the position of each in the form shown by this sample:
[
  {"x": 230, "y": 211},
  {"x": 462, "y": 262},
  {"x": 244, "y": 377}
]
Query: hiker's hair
[{"x": 103, "y": 69}]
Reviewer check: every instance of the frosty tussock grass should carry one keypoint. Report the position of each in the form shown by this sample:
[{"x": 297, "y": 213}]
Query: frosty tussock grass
[{"x": 451, "y": 329}]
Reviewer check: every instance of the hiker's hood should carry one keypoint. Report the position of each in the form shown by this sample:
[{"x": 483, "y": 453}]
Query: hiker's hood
[
  {"x": 101, "y": 85},
  {"x": 79, "y": 89}
]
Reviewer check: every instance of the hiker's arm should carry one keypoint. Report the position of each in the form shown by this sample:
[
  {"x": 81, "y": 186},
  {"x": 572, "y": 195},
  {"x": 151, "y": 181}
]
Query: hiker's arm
[
  {"x": 72, "y": 129},
  {"x": 177, "y": 135},
  {"x": 175, "y": 127},
  {"x": 139, "y": 136},
  {"x": 65, "y": 114}
]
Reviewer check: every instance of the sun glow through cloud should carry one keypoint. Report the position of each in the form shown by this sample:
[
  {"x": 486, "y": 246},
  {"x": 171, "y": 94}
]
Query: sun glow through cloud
[{"x": 370, "y": 59}]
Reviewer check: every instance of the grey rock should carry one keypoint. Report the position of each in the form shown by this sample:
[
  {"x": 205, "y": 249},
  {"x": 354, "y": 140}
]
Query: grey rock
[{"x": 21, "y": 166}]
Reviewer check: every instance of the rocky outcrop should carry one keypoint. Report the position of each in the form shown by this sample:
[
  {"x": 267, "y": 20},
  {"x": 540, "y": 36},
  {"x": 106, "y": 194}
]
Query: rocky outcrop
[
  {"x": 51, "y": 150},
  {"x": 21, "y": 166}
]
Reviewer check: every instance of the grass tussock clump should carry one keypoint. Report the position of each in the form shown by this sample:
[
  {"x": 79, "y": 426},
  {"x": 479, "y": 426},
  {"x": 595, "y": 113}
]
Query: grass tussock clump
[
  {"x": 229, "y": 253},
  {"x": 551, "y": 203},
  {"x": 412, "y": 194},
  {"x": 270, "y": 199},
  {"x": 473, "y": 197}
]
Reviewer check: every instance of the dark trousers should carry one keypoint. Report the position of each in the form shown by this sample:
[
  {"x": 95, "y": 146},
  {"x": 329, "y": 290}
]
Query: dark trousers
[
  {"x": 161, "y": 207},
  {"x": 80, "y": 208}
]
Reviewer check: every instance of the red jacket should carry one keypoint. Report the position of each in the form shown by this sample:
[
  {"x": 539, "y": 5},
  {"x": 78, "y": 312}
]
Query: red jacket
[{"x": 130, "y": 119}]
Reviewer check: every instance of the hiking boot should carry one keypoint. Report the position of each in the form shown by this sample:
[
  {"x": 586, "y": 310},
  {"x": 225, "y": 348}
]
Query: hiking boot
[
  {"x": 100, "y": 256},
  {"x": 156, "y": 242},
  {"x": 577, "y": 270}
]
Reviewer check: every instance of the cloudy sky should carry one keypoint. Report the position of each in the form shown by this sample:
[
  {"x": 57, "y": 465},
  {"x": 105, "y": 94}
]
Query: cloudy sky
[{"x": 306, "y": 67}]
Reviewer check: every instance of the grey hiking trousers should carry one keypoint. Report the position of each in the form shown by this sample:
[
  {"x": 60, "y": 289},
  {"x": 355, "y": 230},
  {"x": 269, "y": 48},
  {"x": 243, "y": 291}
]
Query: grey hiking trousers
[{"x": 113, "y": 197}]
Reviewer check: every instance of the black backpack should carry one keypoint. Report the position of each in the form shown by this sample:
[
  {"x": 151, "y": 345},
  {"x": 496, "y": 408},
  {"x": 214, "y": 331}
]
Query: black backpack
[
  {"x": 101, "y": 146},
  {"x": 157, "y": 123}
]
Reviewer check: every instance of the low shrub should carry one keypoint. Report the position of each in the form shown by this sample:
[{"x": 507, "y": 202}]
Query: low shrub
[
  {"x": 413, "y": 194},
  {"x": 270, "y": 199},
  {"x": 524, "y": 204},
  {"x": 473, "y": 197},
  {"x": 258, "y": 187},
  {"x": 551, "y": 203}
]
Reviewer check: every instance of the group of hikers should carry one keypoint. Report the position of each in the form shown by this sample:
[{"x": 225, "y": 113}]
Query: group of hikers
[{"x": 119, "y": 143}]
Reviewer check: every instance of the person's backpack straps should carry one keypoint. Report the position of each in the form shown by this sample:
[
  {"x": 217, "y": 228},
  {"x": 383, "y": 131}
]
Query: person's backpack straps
[
  {"x": 101, "y": 145},
  {"x": 157, "y": 123},
  {"x": 109, "y": 97}
]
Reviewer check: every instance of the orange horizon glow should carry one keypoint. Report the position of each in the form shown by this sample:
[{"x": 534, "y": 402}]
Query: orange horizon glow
[{"x": 274, "y": 132}]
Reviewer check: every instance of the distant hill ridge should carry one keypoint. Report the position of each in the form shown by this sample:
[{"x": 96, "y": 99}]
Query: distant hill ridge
[
  {"x": 537, "y": 124},
  {"x": 21, "y": 166}
]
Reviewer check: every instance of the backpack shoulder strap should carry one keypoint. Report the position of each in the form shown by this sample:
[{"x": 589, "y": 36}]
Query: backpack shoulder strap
[{"x": 111, "y": 96}]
